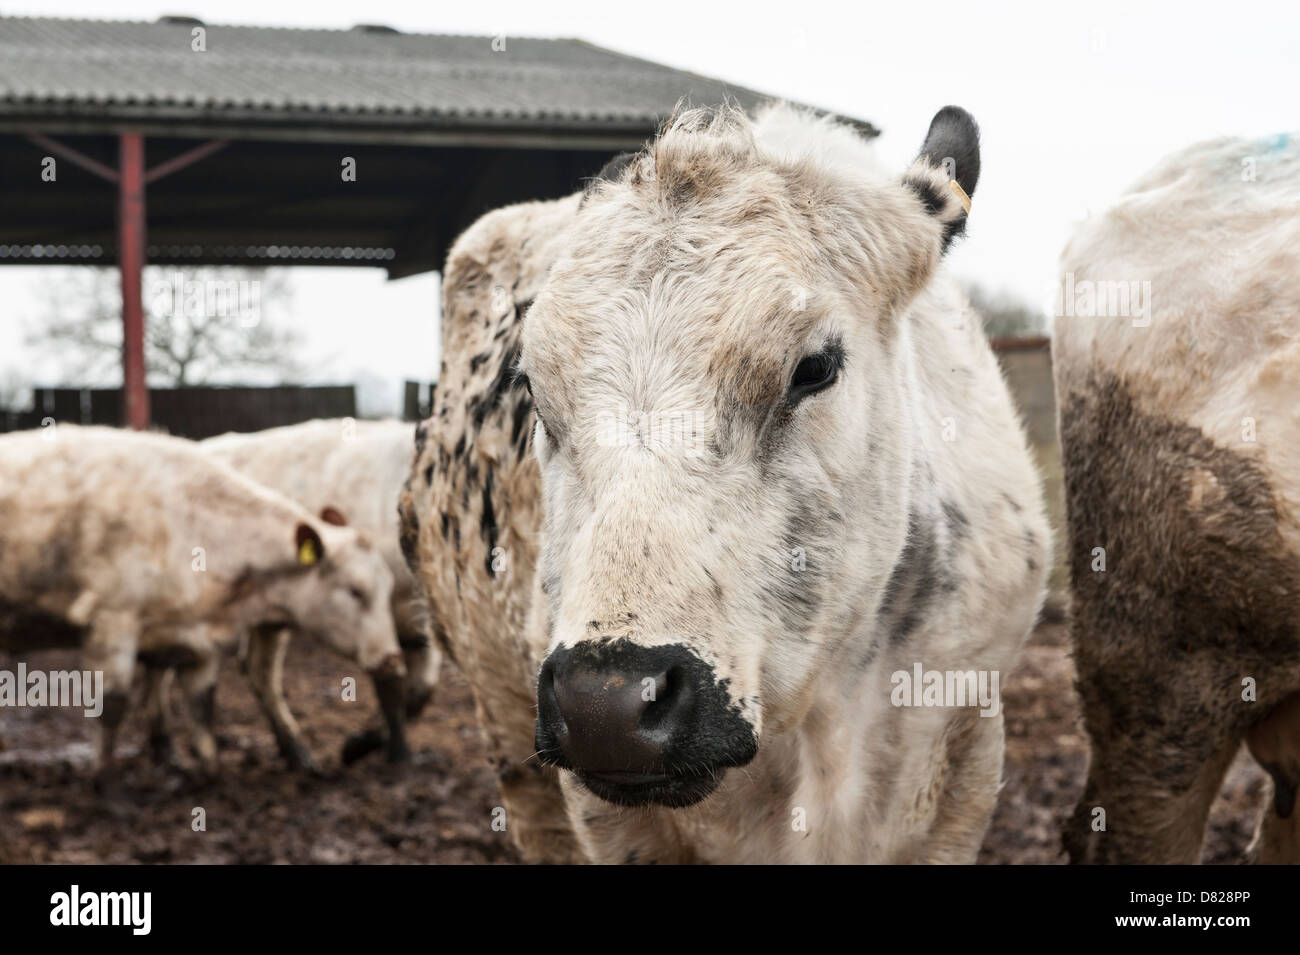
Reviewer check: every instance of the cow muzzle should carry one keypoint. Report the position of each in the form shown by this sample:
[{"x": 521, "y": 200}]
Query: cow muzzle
[{"x": 639, "y": 725}]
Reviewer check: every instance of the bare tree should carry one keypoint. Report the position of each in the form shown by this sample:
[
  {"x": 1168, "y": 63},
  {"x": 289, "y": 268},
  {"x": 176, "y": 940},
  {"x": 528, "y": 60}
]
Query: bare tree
[
  {"x": 202, "y": 325},
  {"x": 1004, "y": 315},
  {"x": 14, "y": 390}
]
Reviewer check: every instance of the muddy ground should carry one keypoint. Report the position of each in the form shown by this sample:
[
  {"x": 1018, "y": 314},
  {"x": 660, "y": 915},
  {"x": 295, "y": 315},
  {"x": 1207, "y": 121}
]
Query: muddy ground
[{"x": 440, "y": 808}]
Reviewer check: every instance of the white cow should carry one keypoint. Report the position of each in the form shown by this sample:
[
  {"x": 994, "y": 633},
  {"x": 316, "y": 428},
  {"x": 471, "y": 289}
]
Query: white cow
[
  {"x": 1177, "y": 357},
  {"x": 744, "y": 472},
  {"x": 356, "y": 468},
  {"x": 139, "y": 545}
]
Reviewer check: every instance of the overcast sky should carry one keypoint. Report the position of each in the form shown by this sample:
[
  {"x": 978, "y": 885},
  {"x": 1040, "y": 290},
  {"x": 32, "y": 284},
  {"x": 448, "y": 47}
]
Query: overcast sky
[{"x": 1074, "y": 102}]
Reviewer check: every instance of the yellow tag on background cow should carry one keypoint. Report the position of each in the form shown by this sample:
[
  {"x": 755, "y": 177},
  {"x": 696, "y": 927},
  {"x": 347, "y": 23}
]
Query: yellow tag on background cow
[{"x": 307, "y": 553}]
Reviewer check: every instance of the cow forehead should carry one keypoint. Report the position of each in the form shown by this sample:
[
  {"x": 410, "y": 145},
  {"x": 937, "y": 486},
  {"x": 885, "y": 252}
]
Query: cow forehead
[
  {"x": 677, "y": 337},
  {"x": 654, "y": 287}
]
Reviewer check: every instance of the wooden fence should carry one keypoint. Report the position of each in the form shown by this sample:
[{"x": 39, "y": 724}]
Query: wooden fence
[{"x": 190, "y": 412}]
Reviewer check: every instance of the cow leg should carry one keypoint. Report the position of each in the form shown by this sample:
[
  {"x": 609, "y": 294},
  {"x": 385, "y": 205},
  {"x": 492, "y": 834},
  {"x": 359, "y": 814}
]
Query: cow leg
[
  {"x": 199, "y": 681},
  {"x": 264, "y": 665},
  {"x": 157, "y": 687},
  {"x": 535, "y": 813},
  {"x": 972, "y": 775},
  {"x": 423, "y": 660},
  {"x": 1154, "y": 806},
  {"x": 1275, "y": 744},
  {"x": 110, "y": 649}
]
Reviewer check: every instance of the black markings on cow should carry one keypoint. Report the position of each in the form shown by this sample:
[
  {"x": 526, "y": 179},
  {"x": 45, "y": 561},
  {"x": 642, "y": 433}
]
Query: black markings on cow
[
  {"x": 922, "y": 576},
  {"x": 520, "y": 425},
  {"x": 488, "y": 525},
  {"x": 484, "y": 404},
  {"x": 929, "y": 194},
  {"x": 795, "y": 588},
  {"x": 958, "y": 525}
]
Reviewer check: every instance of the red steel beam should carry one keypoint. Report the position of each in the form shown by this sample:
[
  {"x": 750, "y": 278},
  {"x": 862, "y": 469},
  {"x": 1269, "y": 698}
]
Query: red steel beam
[
  {"x": 74, "y": 157},
  {"x": 130, "y": 261},
  {"x": 187, "y": 158}
]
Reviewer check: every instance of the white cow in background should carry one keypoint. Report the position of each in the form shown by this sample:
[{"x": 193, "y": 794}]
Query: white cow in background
[
  {"x": 356, "y": 468},
  {"x": 140, "y": 547}
]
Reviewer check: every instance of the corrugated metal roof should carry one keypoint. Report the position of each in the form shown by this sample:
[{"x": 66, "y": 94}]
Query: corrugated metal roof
[{"x": 88, "y": 66}]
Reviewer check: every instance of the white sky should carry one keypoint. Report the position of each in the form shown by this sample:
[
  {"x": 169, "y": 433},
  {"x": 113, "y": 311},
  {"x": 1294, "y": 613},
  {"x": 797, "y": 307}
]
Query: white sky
[{"x": 1074, "y": 102}]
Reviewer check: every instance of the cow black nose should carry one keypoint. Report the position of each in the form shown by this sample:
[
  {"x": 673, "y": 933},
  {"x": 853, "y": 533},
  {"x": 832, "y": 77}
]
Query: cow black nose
[{"x": 613, "y": 718}]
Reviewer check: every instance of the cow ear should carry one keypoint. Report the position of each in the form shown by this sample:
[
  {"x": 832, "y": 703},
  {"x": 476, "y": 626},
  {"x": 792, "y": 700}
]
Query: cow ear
[
  {"x": 610, "y": 172},
  {"x": 308, "y": 544},
  {"x": 947, "y": 169},
  {"x": 332, "y": 515}
]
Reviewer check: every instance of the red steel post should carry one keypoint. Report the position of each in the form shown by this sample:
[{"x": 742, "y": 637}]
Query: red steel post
[{"x": 130, "y": 260}]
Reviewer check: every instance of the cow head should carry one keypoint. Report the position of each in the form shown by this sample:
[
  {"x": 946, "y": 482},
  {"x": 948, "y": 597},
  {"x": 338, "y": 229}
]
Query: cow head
[
  {"x": 718, "y": 365},
  {"x": 337, "y": 590}
]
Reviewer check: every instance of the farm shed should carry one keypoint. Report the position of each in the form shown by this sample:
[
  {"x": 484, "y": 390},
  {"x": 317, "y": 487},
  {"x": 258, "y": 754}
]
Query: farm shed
[{"x": 184, "y": 143}]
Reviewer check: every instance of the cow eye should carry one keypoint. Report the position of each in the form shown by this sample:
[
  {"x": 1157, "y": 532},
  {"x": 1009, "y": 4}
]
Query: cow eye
[
  {"x": 358, "y": 594},
  {"x": 816, "y": 372}
]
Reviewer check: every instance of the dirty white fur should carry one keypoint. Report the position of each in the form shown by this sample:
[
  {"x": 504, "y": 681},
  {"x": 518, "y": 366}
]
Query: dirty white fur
[
  {"x": 357, "y": 468},
  {"x": 1220, "y": 253},
  {"x": 1214, "y": 231},
  {"x": 148, "y": 545}
]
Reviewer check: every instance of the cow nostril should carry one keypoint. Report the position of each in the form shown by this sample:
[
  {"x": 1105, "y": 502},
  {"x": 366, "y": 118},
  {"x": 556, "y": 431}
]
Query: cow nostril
[
  {"x": 664, "y": 701},
  {"x": 548, "y": 706}
]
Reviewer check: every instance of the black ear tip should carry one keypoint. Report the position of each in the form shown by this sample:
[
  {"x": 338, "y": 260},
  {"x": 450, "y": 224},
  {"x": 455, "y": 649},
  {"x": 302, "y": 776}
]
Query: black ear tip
[
  {"x": 614, "y": 168},
  {"x": 954, "y": 137},
  {"x": 610, "y": 172},
  {"x": 957, "y": 120}
]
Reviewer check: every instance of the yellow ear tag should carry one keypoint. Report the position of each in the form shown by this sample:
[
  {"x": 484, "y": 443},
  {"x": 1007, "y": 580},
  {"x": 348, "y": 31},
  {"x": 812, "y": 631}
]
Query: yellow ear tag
[
  {"x": 307, "y": 553},
  {"x": 955, "y": 186}
]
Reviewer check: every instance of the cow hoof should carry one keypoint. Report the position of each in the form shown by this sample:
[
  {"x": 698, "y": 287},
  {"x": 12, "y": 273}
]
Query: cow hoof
[
  {"x": 360, "y": 745},
  {"x": 161, "y": 750},
  {"x": 397, "y": 752},
  {"x": 301, "y": 760},
  {"x": 106, "y": 784},
  {"x": 416, "y": 701}
]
